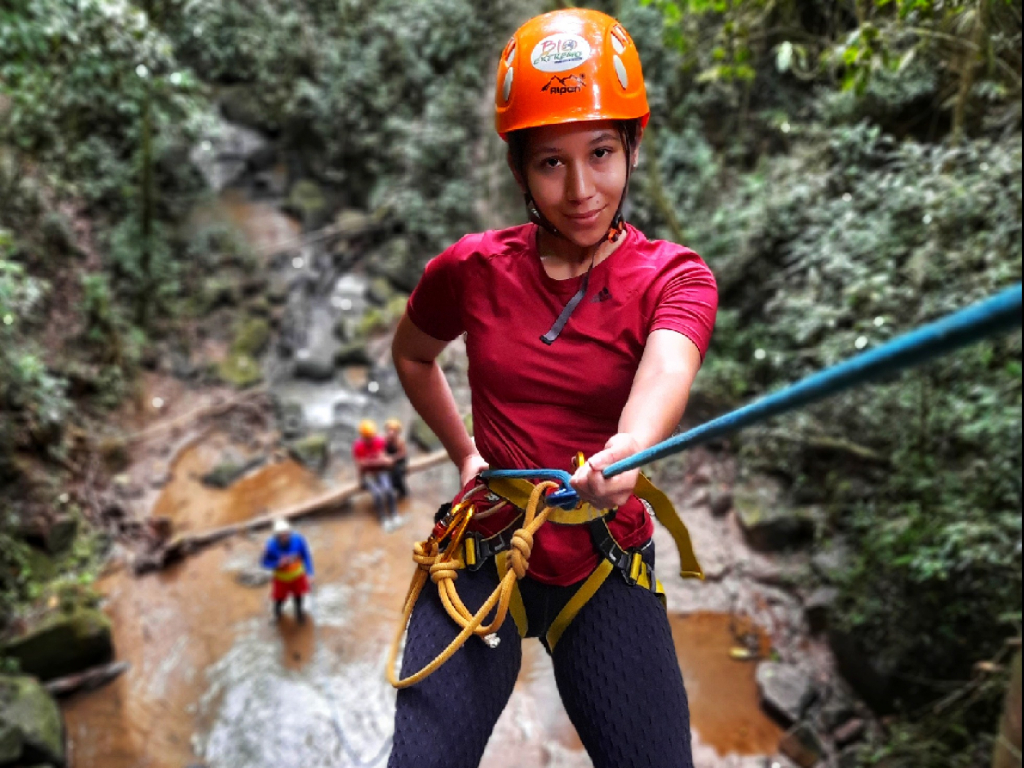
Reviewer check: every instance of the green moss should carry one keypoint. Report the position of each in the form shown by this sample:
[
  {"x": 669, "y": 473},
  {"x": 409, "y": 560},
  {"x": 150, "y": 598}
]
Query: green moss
[
  {"x": 251, "y": 337},
  {"x": 240, "y": 371},
  {"x": 33, "y": 716}
]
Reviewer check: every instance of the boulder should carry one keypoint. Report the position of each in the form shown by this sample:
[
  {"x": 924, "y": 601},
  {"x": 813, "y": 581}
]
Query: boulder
[
  {"x": 31, "y": 728},
  {"x": 239, "y": 370},
  {"x": 785, "y": 690},
  {"x": 62, "y": 643},
  {"x": 769, "y": 524},
  {"x": 313, "y": 451},
  {"x": 352, "y": 353},
  {"x": 802, "y": 745},
  {"x": 313, "y": 367}
]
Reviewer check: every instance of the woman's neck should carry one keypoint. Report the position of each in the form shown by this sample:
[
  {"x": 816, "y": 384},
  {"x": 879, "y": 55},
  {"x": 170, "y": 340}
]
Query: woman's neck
[{"x": 563, "y": 259}]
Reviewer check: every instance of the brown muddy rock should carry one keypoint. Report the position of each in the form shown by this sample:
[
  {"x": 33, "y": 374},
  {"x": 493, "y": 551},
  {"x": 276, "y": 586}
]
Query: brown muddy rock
[{"x": 31, "y": 728}]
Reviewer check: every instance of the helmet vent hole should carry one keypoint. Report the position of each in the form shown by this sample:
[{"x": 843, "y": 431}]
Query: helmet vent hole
[
  {"x": 510, "y": 53},
  {"x": 506, "y": 88},
  {"x": 620, "y": 71},
  {"x": 619, "y": 39}
]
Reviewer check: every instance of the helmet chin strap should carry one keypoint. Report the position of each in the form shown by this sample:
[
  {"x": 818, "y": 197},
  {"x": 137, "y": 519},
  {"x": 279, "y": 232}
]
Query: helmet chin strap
[{"x": 616, "y": 228}]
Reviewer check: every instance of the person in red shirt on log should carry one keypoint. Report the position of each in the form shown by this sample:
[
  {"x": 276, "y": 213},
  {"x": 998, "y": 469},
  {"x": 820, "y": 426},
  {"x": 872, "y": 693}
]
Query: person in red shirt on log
[
  {"x": 583, "y": 339},
  {"x": 374, "y": 466}
]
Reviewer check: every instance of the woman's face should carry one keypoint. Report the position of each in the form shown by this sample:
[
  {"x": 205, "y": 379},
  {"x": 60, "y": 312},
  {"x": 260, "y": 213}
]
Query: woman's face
[{"x": 576, "y": 173}]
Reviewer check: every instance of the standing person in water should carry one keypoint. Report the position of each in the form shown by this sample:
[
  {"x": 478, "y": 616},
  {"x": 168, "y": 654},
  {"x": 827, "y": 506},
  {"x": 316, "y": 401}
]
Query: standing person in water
[
  {"x": 583, "y": 338},
  {"x": 397, "y": 451},
  {"x": 287, "y": 555},
  {"x": 374, "y": 467}
]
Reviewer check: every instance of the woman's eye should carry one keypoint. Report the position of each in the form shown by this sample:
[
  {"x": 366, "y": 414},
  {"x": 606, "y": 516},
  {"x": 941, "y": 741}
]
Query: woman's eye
[
  {"x": 602, "y": 152},
  {"x": 549, "y": 162}
]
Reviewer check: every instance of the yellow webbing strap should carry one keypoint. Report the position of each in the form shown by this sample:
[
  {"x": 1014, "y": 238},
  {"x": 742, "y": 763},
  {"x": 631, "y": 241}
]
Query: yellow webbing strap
[
  {"x": 689, "y": 568},
  {"x": 576, "y": 603},
  {"x": 517, "y": 492},
  {"x": 515, "y": 603}
]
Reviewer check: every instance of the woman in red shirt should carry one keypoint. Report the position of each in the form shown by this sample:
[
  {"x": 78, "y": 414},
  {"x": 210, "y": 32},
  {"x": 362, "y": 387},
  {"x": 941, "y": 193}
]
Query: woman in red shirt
[{"x": 582, "y": 336}]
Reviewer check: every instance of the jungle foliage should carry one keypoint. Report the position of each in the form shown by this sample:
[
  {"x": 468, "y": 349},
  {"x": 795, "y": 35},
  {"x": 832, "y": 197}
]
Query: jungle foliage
[{"x": 851, "y": 171}]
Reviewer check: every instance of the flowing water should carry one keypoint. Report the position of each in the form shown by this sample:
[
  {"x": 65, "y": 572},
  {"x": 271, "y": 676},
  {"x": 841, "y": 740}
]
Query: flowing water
[{"x": 215, "y": 682}]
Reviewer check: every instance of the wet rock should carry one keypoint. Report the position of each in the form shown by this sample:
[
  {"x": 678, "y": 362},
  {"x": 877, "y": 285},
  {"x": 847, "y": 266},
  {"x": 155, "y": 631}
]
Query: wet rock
[
  {"x": 126, "y": 488},
  {"x": 278, "y": 289},
  {"x": 767, "y": 522},
  {"x": 353, "y": 353},
  {"x": 421, "y": 435},
  {"x": 291, "y": 420},
  {"x": 379, "y": 291},
  {"x": 307, "y": 202},
  {"x": 818, "y": 606},
  {"x": 831, "y": 562},
  {"x": 228, "y": 471},
  {"x": 720, "y": 501},
  {"x": 785, "y": 690},
  {"x": 312, "y": 451},
  {"x": 62, "y": 643},
  {"x": 802, "y": 745},
  {"x": 314, "y": 367},
  {"x": 60, "y": 533},
  {"x": 31, "y": 728}
]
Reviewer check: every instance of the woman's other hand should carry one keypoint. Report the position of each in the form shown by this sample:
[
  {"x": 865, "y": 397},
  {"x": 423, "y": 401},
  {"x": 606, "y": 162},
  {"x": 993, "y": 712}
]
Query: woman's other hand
[{"x": 607, "y": 492}]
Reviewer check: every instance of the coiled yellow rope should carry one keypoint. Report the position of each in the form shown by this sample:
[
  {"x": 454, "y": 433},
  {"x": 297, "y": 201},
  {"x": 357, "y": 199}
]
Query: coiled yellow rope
[{"x": 444, "y": 568}]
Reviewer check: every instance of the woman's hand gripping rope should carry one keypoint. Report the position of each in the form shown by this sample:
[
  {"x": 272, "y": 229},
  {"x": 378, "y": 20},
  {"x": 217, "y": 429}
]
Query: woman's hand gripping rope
[{"x": 444, "y": 566}]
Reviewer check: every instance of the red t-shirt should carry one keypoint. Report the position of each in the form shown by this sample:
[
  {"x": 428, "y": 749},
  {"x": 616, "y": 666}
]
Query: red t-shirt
[
  {"x": 536, "y": 405},
  {"x": 368, "y": 448}
]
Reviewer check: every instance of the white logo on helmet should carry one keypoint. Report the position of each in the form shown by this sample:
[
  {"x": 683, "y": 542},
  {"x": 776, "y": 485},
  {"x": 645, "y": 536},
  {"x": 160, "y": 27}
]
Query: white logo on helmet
[{"x": 561, "y": 52}]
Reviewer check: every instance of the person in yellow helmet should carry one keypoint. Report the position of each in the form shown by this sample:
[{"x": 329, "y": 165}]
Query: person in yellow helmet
[
  {"x": 583, "y": 336},
  {"x": 374, "y": 469}
]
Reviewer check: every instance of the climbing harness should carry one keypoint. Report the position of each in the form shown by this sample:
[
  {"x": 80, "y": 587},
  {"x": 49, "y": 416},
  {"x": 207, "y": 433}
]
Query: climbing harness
[{"x": 450, "y": 547}]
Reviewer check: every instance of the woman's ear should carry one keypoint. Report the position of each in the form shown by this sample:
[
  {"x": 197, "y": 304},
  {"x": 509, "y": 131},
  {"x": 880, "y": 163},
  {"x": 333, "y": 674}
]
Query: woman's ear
[{"x": 635, "y": 159}]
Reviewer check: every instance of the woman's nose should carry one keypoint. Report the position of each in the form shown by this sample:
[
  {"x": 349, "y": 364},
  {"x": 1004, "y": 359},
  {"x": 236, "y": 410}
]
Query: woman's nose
[{"x": 579, "y": 184}]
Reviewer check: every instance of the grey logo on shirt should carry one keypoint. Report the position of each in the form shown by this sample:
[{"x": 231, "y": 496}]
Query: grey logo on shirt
[{"x": 603, "y": 295}]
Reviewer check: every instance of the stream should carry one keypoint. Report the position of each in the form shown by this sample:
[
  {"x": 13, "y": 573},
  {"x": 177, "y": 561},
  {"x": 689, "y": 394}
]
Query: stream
[{"x": 214, "y": 682}]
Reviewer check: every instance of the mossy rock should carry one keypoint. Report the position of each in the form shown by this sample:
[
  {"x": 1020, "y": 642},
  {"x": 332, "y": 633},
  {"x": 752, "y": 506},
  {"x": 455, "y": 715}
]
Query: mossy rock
[
  {"x": 251, "y": 337},
  {"x": 63, "y": 643},
  {"x": 373, "y": 321},
  {"x": 240, "y": 371},
  {"x": 30, "y": 722},
  {"x": 40, "y": 565},
  {"x": 312, "y": 451},
  {"x": 259, "y": 307},
  {"x": 379, "y": 291},
  {"x": 277, "y": 290},
  {"x": 115, "y": 454},
  {"x": 353, "y": 220},
  {"x": 353, "y": 353},
  {"x": 768, "y": 521},
  {"x": 307, "y": 201},
  {"x": 219, "y": 292},
  {"x": 422, "y": 436}
]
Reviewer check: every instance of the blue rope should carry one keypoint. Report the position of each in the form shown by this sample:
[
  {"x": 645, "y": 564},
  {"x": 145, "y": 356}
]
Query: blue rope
[{"x": 997, "y": 314}]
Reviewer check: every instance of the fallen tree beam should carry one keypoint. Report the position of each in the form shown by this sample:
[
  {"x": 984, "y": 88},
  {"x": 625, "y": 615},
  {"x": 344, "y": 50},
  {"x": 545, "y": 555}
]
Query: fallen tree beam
[
  {"x": 91, "y": 678},
  {"x": 187, "y": 544}
]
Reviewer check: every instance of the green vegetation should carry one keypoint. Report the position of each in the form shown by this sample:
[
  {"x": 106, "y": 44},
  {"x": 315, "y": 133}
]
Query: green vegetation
[{"x": 851, "y": 171}]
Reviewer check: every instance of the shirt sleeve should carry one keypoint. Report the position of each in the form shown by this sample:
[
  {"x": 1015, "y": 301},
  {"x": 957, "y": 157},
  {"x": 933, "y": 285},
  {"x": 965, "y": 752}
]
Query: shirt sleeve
[
  {"x": 270, "y": 556},
  {"x": 307, "y": 557},
  {"x": 688, "y": 303},
  {"x": 434, "y": 306}
]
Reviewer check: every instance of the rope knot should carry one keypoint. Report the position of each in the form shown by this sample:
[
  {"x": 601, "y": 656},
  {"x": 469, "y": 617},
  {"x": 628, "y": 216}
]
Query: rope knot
[
  {"x": 522, "y": 547},
  {"x": 423, "y": 555},
  {"x": 441, "y": 571}
]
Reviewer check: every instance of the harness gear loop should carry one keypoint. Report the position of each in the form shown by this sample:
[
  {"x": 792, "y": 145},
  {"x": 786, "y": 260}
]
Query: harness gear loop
[{"x": 443, "y": 566}]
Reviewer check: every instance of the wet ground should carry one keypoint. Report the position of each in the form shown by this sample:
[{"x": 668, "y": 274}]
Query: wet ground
[{"x": 214, "y": 681}]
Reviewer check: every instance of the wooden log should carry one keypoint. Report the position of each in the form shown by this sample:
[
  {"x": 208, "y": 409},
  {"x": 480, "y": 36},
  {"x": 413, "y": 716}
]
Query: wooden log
[
  {"x": 91, "y": 678},
  {"x": 184, "y": 545}
]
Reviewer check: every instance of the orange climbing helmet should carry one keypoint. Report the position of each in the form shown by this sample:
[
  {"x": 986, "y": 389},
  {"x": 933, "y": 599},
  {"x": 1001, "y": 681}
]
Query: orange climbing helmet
[
  {"x": 368, "y": 428},
  {"x": 568, "y": 66}
]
